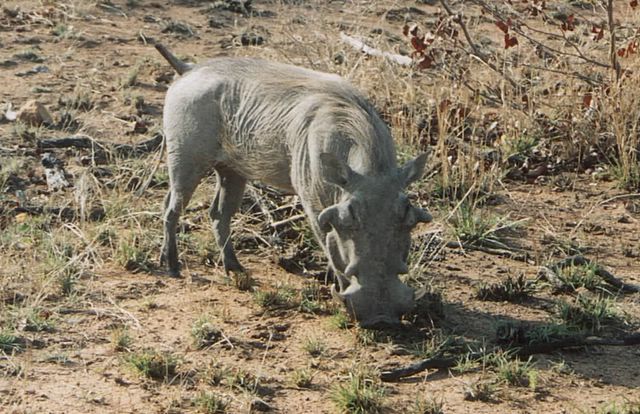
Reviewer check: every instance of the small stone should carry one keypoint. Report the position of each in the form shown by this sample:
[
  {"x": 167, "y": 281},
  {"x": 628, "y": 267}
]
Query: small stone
[
  {"x": 34, "y": 113},
  {"x": 625, "y": 219},
  {"x": 251, "y": 39},
  {"x": 34, "y": 71},
  {"x": 8, "y": 63}
]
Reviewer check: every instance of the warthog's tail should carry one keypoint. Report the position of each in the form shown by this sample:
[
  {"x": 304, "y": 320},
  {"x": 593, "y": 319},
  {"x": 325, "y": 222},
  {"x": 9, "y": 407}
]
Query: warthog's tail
[{"x": 179, "y": 66}]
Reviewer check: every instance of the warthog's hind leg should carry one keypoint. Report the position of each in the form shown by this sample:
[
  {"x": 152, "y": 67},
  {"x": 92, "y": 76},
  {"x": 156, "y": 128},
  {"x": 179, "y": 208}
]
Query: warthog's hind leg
[
  {"x": 180, "y": 192},
  {"x": 229, "y": 191}
]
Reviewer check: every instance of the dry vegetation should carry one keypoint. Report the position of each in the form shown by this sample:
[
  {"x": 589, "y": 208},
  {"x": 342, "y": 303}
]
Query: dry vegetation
[{"x": 535, "y": 144}]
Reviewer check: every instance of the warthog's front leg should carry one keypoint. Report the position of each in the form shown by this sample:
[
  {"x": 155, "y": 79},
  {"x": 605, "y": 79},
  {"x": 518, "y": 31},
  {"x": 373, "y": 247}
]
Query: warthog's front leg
[{"x": 229, "y": 191}]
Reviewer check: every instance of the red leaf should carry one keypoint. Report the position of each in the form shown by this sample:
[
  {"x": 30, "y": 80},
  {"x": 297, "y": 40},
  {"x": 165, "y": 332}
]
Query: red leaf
[
  {"x": 509, "y": 41},
  {"x": 633, "y": 4},
  {"x": 569, "y": 24},
  {"x": 587, "y": 99},
  {"x": 425, "y": 63},
  {"x": 502, "y": 26},
  {"x": 622, "y": 52},
  {"x": 418, "y": 44},
  {"x": 405, "y": 30},
  {"x": 444, "y": 105},
  {"x": 599, "y": 32}
]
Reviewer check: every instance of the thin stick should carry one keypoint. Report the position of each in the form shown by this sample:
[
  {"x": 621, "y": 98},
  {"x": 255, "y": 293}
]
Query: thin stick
[
  {"x": 297, "y": 217},
  {"x": 615, "y": 65}
]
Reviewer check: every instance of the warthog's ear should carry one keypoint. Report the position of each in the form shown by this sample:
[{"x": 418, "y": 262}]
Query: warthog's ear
[
  {"x": 416, "y": 215},
  {"x": 413, "y": 169},
  {"x": 334, "y": 170},
  {"x": 423, "y": 216}
]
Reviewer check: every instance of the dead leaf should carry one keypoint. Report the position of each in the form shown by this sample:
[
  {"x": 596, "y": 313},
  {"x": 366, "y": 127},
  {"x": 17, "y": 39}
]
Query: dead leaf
[
  {"x": 509, "y": 41},
  {"x": 502, "y": 26}
]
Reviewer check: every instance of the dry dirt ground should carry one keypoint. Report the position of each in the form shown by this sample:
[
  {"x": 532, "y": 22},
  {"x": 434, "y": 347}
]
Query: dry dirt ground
[{"x": 83, "y": 296}]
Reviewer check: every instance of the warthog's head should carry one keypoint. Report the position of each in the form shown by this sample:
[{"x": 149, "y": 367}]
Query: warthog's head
[{"x": 368, "y": 239}]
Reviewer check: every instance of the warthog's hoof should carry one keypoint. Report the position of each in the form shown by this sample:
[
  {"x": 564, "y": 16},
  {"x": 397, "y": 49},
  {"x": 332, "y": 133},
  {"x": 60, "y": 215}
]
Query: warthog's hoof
[
  {"x": 241, "y": 279},
  {"x": 174, "y": 273}
]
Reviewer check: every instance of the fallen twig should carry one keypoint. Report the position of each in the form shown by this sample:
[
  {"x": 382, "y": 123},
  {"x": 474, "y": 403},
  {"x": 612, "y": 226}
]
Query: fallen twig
[
  {"x": 361, "y": 46},
  {"x": 550, "y": 273},
  {"x": 519, "y": 255},
  {"x": 84, "y": 142},
  {"x": 436, "y": 362},
  {"x": 64, "y": 213},
  {"x": 440, "y": 362},
  {"x": 277, "y": 224}
]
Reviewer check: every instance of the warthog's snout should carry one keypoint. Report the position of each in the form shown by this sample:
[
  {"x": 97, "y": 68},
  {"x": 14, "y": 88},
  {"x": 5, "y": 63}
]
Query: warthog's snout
[{"x": 377, "y": 307}]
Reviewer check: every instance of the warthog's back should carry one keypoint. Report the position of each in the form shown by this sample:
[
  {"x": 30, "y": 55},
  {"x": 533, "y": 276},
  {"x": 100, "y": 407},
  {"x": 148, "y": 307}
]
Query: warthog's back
[{"x": 260, "y": 113}]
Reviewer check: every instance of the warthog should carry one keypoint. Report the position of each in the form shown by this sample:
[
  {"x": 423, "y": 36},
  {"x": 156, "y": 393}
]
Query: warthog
[{"x": 306, "y": 133}]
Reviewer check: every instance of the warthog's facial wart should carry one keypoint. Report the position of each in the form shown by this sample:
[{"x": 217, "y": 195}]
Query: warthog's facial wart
[{"x": 368, "y": 236}]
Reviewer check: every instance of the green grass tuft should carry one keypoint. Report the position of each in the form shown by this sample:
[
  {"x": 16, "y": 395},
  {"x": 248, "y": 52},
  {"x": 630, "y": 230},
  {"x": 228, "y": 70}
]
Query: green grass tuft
[
  {"x": 210, "y": 403},
  {"x": 204, "y": 333},
  {"x": 510, "y": 290},
  {"x": 153, "y": 364},
  {"x": 9, "y": 342},
  {"x": 589, "y": 314},
  {"x": 359, "y": 394}
]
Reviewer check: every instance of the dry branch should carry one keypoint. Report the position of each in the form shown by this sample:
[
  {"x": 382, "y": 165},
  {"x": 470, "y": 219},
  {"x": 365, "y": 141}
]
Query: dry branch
[
  {"x": 612, "y": 44},
  {"x": 297, "y": 217},
  {"x": 476, "y": 50},
  {"x": 361, "y": 46},
  {"x": 84, "y": 142},
  {"x": 519, "y": 255},
  {"x": 64, "y": 213},
  {"x": 440, "y": 362}
]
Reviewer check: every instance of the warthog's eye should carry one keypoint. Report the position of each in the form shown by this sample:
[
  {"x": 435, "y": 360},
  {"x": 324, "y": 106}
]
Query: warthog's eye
[
  {"x": 348, "y": 218},
  {"x": 352, "y": 213},
  {"x": 409, "y": 216}
]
